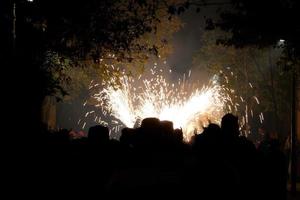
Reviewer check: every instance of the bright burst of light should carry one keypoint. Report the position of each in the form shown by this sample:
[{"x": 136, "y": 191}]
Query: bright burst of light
[
  {"x": 185, "y": 103},
  {"x": 187, "y": 106}
]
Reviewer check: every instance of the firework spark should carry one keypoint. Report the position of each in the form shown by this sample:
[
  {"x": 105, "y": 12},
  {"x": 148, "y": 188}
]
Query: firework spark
[
  {"x": 183, "y": 102},
  {"x": 187, "y": 106}
]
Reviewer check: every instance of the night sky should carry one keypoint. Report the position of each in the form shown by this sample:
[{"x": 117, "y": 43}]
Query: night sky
[{"x": 187, "y": 41}]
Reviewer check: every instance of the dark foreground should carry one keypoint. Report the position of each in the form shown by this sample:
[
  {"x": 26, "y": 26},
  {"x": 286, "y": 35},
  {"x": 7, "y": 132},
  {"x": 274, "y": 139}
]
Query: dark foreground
[{"x": 152, "y": 161}]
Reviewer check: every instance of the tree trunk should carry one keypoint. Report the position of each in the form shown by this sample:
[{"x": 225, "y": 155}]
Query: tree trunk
[
  {"x": 294, "y": 133},
  {"x": 48, "y": 113}
]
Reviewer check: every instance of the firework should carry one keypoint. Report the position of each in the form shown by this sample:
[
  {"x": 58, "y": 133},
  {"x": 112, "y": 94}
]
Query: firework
[
  {"x": 189, "y": 106},
  {"x": 183, "y": 103}
]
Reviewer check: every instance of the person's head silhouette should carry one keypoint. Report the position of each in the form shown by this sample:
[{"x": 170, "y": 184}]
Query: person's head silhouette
[
  {"x": 98, "y": 134},
  {"x": 230, "y": 125}
]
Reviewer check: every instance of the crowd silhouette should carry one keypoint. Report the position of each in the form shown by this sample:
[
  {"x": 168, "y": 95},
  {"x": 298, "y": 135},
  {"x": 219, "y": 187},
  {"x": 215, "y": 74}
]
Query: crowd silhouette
[{"x": 154, "y": 161}]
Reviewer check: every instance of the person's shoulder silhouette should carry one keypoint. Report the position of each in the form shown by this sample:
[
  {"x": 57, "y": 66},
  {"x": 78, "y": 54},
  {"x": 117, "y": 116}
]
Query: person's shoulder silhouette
[{"x": 98, "y": 134}]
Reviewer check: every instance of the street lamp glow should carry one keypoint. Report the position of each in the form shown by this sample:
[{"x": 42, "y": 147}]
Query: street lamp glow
[{"x": 281, "y": 42}]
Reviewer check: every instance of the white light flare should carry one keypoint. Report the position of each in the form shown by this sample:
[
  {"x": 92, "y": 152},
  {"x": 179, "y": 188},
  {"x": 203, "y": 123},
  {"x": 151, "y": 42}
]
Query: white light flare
[{"x": 189, "y": 109}]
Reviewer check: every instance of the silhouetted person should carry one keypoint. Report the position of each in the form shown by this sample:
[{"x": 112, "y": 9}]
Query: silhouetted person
[
  {"x": 150, "y": 123},
  {"x": 240, "y": 154},
  {"x": 275, "y": 167},
  {"x": 98, "y": 135},
  {"x": 127, "y": 136},
  {"x": 148, "y": 135},
  {"x": 167, "y": 137},
  {"x": 178, "y": 134},
  {"x": 230, "y": 126},
  {"x": 210, "y": 173},
  {"x": 97, "y": 164},
  {"x": 167, "y": 127},
  {"x": 209, "y": 141}
]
